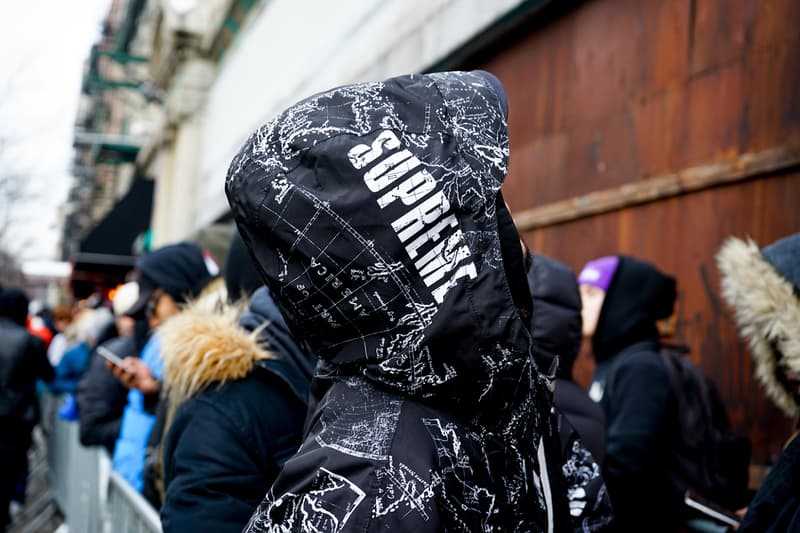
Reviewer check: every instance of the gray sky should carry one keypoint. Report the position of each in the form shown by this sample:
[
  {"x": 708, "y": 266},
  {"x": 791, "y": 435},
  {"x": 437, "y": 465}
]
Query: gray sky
[{"x": 44, "y": 44}]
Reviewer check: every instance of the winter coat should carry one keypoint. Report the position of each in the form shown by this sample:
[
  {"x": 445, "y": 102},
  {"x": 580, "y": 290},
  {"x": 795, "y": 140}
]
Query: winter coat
[
  {"x": 239, "y": 396},
  {"x": 633, "y": 388},
  {"x": 556, "y": 331},
  {"x": 762, "y": 286},
  {"x": 70, "y": 368},
  {"x": 776, "y": 506},
  {"x": 137, "y": 421},
  {"x": 102, "y": 398},
  {"x": 23, "y": 361},
  {"x": 374, "y": 215}
]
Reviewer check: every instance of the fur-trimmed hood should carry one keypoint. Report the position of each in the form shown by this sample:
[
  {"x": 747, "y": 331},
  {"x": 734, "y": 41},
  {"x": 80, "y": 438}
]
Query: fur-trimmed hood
[
  {"x": 212, "y": 342},
  {"x": 767, "y": 312},
  {"x": 204, "y": 345}
]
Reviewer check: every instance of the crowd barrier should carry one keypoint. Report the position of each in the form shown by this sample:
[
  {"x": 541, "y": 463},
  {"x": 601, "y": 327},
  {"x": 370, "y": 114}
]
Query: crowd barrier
[{"x": 92, "y": 497}]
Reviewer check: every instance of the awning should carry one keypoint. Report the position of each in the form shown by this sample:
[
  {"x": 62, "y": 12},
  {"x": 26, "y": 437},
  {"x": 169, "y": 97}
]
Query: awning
[{"x": 111, "y": 241}]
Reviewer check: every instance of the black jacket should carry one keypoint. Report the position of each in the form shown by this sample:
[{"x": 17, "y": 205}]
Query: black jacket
[
  {"x": 373, "y": 213},
  {"x": 102, "y": 398},
  {"x": 633, "y": 388},
  {"x": 229, "y": 439},
  {"x": 23, "y": 361},
  {"x": 556, "y": 331}
]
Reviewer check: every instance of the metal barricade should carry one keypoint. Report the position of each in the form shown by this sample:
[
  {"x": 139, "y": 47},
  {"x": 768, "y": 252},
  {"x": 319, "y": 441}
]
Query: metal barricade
[
  {"x": 92, "y": 497},
  {"x": 74, "y": 476},
  {"x": 128, "y": 511}
]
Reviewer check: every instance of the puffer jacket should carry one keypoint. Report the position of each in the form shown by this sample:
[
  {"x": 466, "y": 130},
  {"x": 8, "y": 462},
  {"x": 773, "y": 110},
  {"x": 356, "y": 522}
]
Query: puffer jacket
[
  {"x": 237, "y": 393},
  {"x": 373, "y": 212}
]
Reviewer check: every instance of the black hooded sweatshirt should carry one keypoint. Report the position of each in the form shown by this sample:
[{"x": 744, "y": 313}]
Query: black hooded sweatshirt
[
  {"x": 634, "y": 391},
  {"x": 373, "y": 214}
]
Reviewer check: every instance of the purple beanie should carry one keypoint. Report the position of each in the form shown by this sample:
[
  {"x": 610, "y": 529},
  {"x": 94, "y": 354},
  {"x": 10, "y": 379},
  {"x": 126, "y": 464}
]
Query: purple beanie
[{"x": 599, "y": 272}]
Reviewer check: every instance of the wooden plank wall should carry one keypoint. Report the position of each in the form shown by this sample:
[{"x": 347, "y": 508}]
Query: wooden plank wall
[{"x": 618, "y": 91}]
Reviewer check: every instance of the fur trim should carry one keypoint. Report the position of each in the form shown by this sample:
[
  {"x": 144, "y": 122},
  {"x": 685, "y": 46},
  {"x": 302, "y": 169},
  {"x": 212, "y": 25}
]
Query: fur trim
[
  {"x": 767, "y": 314},
  {"x": 204, "y": 345}
]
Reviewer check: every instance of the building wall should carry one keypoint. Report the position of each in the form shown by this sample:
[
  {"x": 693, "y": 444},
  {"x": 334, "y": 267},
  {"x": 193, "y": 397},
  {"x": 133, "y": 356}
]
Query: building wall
[
  {"x": 617, "y": 92},
  {"x": 293, "y": 49}
]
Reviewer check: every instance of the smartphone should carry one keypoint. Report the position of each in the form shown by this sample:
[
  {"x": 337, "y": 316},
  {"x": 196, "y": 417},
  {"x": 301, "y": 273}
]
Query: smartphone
[
  {"x": 108, "y": 355},
  {"x": 711, "y": 509}
]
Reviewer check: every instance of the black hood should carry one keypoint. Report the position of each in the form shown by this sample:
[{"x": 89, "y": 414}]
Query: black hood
[
  {"x": 556, "y": 323},
  {"x": 372, "y": 211},
  {"x": 638, "y": 296}
]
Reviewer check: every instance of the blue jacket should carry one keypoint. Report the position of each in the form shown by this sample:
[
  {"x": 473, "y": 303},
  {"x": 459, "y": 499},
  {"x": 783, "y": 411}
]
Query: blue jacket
[
  {"x": 137, "y": 422},
  {"x": 71, "y": 368}
]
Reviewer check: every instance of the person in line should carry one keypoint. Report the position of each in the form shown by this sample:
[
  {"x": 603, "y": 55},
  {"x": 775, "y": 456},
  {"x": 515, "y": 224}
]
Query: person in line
[
  {"x": 763, "y": 289},
  {"x": 557, "y": 335},
  {"x": 100, "y": 396},
  {"x": 556, "y": 331},
  {"x": 91, "y": 326},
  {"x": 166, "y": 278},
  {"x": 62, "y": 318},
  {"x": 622, "y": 299},
  {"x": 23, "y": 361},
  {"x": 374, "y": 214},
  {"x": 237, "y": 387}
]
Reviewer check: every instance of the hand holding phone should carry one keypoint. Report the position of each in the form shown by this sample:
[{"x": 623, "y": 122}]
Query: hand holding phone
[
  {"x": 710, "y": 509},
  {"x": 110, "y": 356}
]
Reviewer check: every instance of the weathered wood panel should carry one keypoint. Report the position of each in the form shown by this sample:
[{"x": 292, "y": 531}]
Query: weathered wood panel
[
  {"x": 619, "y": 91},
  {"x": 681, "y": 235}
]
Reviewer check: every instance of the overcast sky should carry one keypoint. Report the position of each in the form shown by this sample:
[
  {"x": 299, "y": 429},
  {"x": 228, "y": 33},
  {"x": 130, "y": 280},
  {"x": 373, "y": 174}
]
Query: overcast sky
[{"x": 43, "y": 44}]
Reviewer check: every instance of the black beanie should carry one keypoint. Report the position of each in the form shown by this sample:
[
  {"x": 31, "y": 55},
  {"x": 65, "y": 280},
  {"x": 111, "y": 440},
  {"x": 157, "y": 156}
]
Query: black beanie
[{"x": 178, "y": 269}]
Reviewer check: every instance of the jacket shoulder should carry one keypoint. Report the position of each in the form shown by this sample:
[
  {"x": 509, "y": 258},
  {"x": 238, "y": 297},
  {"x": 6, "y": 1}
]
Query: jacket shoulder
[
  {"x": 259, "y": 409},
  {"x": 365, "y": 463}
]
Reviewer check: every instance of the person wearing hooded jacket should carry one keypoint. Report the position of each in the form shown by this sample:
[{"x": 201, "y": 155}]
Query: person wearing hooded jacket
[
  {"x": 374, "y": 215},
  {"x": 763, "y": 289},
  {"x": 622, "y": 298},
  {"x": 23, "y": 361},
  {"x": 237, "y": 386},
  {"x": 556, "y": 331}
]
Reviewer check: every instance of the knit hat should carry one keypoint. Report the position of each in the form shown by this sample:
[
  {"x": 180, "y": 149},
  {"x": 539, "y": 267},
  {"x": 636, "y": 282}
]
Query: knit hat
[
  {"x": 599, "y": 272},
  {"x": 180, "y": 270}
]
